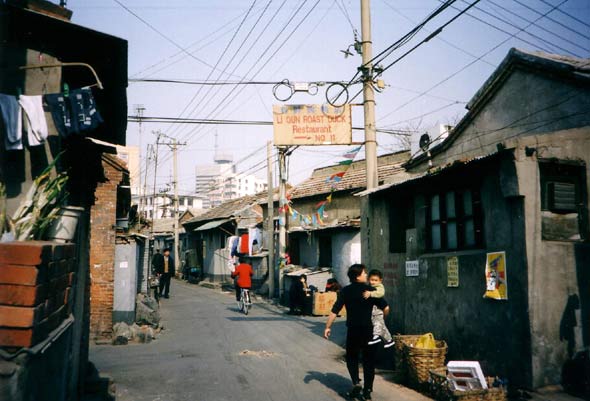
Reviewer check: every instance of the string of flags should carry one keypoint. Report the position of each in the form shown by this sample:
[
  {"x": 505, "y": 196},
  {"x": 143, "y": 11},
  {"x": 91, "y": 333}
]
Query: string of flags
[{"x": 316, "y": 219}]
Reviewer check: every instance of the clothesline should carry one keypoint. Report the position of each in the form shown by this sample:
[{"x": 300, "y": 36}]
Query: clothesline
[{"x": 72, "y": 113}]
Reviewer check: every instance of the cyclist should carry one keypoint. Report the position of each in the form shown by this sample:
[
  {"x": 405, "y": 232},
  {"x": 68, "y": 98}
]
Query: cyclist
[{"x": 244, "y": 273}]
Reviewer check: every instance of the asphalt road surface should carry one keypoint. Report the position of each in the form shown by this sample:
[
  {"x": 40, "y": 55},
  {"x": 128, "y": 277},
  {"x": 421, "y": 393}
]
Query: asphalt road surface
[{"x": 209, "y": 351}]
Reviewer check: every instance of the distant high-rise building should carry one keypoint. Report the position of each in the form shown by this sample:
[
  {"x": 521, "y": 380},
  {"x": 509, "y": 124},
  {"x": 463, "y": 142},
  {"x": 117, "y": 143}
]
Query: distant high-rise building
[{"x": 219, "y": 182}]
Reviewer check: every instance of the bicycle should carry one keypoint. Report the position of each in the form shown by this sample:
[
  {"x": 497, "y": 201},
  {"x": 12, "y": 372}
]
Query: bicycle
[{"x": 245, "y": 301}]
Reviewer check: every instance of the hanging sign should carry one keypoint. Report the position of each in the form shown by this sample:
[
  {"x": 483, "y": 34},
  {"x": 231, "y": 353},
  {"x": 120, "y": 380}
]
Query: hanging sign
[
  {"x": 311, "y": 124},
  {"x": 452, "y": 271},
  {"x": 412, "y": 268},
  {"x": 496, "y": 283}
]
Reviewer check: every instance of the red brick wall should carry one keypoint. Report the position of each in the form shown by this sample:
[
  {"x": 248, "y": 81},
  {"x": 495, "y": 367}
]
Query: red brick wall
[
  {"x": 36, "y": 294},
  {"x": 102, "y": 249}
]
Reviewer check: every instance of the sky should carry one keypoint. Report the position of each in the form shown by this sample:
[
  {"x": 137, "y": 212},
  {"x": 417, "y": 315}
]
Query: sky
[{"x": 302, "y": 41}]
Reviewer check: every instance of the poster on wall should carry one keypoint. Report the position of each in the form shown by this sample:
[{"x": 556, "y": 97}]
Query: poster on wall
[
  {"x": 452, "y": 271},
  {"x": 496, "y": 282}
]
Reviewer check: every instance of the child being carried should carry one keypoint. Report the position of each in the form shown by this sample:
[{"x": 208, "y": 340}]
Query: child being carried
[{"x": 380, "y": 332}]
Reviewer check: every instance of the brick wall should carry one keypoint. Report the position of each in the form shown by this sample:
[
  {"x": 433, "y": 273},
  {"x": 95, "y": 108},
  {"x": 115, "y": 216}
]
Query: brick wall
[
  {"x": 36, "y": 294},
  {"x": 102, "y": 249}
]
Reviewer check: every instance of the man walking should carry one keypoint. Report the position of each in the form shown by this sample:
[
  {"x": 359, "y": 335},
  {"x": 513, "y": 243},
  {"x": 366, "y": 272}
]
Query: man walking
[
  {"x": 166, "y": 271},
  {"x": 359, "y": 328}
]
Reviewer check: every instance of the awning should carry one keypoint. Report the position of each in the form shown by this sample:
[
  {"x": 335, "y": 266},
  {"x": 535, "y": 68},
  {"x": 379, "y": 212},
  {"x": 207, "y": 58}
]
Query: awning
[{"x": 211, "y": 224}]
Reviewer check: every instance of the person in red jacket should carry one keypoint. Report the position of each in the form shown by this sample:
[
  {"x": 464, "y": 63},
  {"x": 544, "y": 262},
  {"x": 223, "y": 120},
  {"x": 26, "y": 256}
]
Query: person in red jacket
[{"x": 244, "y": 274}]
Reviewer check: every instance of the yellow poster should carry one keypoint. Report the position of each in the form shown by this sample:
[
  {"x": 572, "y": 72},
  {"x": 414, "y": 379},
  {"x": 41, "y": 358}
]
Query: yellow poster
[
  {"x": 452, "y": 271},
  {"x": 496, "y": 281}
]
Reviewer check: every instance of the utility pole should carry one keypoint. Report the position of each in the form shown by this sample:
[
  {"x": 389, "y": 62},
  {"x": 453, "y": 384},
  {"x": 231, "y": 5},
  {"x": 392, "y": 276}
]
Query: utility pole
[
  {"x": 369, "y": 96},
  {"x": 174, "y": 147},
  {"x": 151, "y": 239},
  {"x": 271, "y": 225},
  {"x": 282, "y": 214},
  {"x": 139, "y": 109}
]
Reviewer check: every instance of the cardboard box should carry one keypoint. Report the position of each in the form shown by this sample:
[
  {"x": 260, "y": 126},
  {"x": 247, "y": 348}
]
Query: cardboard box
[{"x": 323, "y": 302}]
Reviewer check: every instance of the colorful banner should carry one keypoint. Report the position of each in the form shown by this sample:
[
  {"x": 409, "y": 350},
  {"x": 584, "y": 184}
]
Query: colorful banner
[{"x": 496, "y": 281}]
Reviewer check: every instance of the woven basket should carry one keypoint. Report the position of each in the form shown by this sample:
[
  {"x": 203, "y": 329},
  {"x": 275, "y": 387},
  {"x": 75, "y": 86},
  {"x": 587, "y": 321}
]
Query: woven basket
[
  {"x": 440, "y": 391},
  {"x": 401, "y": 361},
  {"x": 422, "y": 360}
]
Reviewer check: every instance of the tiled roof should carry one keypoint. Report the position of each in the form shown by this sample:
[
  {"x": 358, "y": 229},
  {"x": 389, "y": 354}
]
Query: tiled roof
[
  {"x": 354, "y": 179},
  {"x": 227, "y": 209}
]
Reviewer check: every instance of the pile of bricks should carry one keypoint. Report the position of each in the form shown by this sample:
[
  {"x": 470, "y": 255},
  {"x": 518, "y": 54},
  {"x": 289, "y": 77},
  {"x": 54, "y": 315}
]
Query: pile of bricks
[{"x": 36, "y": 279}]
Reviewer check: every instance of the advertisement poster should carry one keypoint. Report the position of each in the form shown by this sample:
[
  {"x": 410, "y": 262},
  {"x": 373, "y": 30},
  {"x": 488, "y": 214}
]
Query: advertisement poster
[
  {"x": 452, "y": 271},
  {"x": 496, "y": 283}
]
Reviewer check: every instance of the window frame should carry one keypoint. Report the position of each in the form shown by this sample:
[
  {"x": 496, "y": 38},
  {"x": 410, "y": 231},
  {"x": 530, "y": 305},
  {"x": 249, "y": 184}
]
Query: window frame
[{"x": 460, "y": 219}]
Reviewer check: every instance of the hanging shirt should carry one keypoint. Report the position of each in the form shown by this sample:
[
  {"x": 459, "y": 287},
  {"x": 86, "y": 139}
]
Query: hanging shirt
[
  {"x": 10, "y": 112},
  {"x": 60, "y": 109},
  {"x": 74, "y": 114},
  {"x": 35, "y": 122}
]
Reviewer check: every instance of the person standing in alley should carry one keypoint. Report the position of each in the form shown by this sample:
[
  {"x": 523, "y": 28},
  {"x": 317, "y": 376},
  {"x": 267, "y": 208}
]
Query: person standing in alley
[
  {"x": 166, "y": 271},
  {"x": 359, "y": 328},
  {"x": 157, "y": 266}
]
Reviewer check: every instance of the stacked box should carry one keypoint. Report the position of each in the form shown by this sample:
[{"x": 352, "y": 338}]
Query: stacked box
[
  {"x": 323, "y": 302},
  {"x": 36, "y": 279}
]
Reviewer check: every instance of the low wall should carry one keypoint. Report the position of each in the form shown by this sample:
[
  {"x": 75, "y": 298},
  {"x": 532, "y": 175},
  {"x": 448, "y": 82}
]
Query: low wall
[{"x": 36, "y": 299}]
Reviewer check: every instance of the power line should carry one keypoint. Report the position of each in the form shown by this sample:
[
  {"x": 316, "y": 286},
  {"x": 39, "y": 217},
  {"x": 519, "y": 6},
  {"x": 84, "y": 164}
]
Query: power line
[
  {"x": 462, "y": 68},
  {"x": 564, "y": 13},
  {"x": 205, "y": 121},
  {"x": 543, "y": 40},
  {"x": 539, "y": 27},
  {"x": 273, "y": 54},
  {"x": 189, "y": 46},
  {"x": 552, "y": 19},
  {"x": 219, "y": 60},
  {"x": 163, "y": 35},
  {"x": 347, "y": 16}
]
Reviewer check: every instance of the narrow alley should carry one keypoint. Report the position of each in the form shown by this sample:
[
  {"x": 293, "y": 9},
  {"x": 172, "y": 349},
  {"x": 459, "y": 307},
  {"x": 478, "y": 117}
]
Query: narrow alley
[{"x": 210, "y": 351}]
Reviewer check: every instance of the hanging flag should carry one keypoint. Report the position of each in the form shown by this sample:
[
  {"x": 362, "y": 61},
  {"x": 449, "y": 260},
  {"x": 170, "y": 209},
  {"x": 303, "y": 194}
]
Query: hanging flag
[
  {"x": 351, "y": 154},
  {"x": 314, "y": 220},
  {"x": 320, "y": 204},
  {"x": 345, "y": 162},
  {"x": 329, "y": 198}
]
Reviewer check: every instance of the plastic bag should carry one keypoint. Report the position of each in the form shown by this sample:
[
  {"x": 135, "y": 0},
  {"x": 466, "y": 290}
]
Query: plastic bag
[{"x": 426, "y": 341}]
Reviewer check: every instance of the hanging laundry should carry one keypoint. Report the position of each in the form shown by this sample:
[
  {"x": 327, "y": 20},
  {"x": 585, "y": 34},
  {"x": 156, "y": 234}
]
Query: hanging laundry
[
  {"x": 244, "y": 244},
  {"x": 11, "y": 114},
  {"x": 73, "y": 114},
  {"x": 60, "y": 109},
  {"x": 84, "y": 113},
  {"x": 35, "y": 122}
]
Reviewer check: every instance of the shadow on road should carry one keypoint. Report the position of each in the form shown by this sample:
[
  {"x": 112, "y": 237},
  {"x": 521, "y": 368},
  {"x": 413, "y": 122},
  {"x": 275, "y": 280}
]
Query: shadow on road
[{"x": 333, "y": 381}]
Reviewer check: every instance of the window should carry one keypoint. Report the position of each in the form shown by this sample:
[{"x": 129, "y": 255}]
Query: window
[
  {"x": 325, "y": 251},
  {"x": 401, "y": 218},
  {"x": 563, "y": 200},
  {"x": 454, "y": 220}
]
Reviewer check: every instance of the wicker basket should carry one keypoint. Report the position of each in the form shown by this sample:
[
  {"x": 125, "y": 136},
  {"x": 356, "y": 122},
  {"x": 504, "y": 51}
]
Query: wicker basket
[
  {"x": 440, "y": 391},
  {"x": 401, "y": 361},
  {"x": 422, "y": 360}
]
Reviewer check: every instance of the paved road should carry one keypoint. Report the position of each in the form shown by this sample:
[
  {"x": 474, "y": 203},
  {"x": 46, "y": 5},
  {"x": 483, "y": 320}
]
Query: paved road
[{"x": 209, "y": 351}]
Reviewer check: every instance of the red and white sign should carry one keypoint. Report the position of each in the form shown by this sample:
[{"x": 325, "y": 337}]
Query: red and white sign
[{"x": 312, "y": 124}]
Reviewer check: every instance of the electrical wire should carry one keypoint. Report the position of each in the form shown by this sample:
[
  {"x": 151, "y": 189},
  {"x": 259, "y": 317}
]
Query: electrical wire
[
  {"x": 565, "y": 13},
  {"x": 454, "y": 46},
  {"x": 541, "y": 39},
  {"x": 512, "y": 35},
  {"x": 538, "y": 26},
  {"x": 164, "y": 35},
  {"x": 219, "y": 61},
  {"x": 347, "y": 16},
  {"x": 199, "y": 41},
  {"x": 552, "y": 19}
]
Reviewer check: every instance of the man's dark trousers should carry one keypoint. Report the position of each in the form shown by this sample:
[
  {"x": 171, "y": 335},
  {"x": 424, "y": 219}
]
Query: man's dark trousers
[
  {"x": 357, "y": 339},
  {"x": 165, "y": 285}
]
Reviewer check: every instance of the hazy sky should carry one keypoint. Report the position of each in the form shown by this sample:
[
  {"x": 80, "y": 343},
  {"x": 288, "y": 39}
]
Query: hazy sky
[{"x": 300, "y": 40}]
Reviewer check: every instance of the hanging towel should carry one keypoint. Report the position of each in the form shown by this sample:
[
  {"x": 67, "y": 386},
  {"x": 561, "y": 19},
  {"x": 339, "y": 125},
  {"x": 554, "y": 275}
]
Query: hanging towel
[
  {"x": 11, "y": 115},
  {"x": 35, "y": 122},
  {"x": 60, "y": 109},
  {"x": 243, "y": 249}
]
